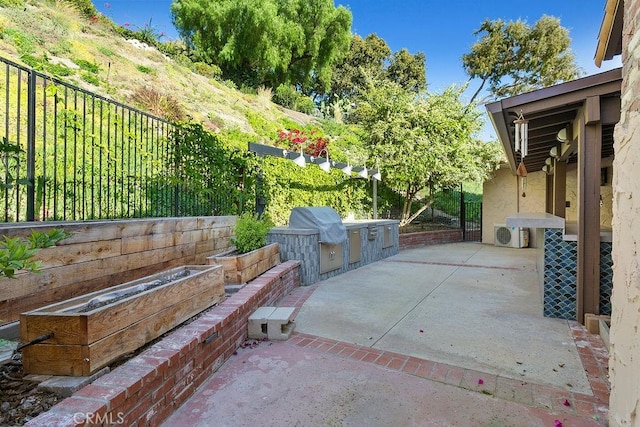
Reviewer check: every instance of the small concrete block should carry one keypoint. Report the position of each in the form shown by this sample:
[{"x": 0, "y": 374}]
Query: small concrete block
[
  {"x": 279, "y": 325},
  {"x": 257, "y": 324},
  {"x": 66, "y": 386}
]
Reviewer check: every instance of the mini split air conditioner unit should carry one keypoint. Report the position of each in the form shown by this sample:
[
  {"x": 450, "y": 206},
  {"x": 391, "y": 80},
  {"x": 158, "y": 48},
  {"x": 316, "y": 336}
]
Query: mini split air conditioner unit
[{"x": 512, "y": 237}]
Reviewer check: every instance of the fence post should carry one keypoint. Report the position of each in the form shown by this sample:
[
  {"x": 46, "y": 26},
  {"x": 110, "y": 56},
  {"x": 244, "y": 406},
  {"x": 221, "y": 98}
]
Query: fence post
[
  {"x": 463, "y": 215},
  {"x": 31, "y": 145}
]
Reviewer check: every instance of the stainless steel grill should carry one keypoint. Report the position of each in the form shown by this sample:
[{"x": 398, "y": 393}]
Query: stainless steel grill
[{"x": 333, "y": 233}]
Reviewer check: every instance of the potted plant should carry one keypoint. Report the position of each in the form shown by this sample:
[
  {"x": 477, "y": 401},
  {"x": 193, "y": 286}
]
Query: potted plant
[{"x": 251, "y": 256}]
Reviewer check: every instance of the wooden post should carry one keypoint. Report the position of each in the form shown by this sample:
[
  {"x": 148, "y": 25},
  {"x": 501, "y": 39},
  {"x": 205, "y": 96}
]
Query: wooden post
[
  {"x": 560, "y": 188},
  {"x": 589, "y": 159},
  {"x": 549, "y": 194}
]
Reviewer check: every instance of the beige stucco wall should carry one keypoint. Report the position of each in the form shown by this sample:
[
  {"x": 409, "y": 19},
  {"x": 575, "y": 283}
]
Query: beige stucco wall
[
  {"x": 606, "y": 191},
  {"x": 502, "y": 196},
  {"x": 624, "y": 361}
]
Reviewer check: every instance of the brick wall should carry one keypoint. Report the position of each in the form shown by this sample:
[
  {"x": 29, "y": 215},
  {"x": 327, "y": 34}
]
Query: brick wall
[
  {"x": 423, "y": 238},
  {"x": 148, "y": 388}
]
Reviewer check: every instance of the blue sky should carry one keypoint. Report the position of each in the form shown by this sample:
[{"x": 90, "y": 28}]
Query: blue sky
[{"x": 442, "y": 30}]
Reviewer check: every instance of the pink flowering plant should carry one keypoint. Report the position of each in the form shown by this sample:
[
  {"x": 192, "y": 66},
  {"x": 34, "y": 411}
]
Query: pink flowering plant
[{"x": 312, "y": 143}]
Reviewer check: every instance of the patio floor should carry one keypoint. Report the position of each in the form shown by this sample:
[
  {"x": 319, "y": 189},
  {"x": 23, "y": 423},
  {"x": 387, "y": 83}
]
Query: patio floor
[{"x": 441, "y": 335}]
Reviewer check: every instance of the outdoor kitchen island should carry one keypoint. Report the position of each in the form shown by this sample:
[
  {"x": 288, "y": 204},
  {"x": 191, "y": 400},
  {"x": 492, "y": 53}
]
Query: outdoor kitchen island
[
  {"x": 557, "y": 263},
  {"x": 327, "y": 247}
]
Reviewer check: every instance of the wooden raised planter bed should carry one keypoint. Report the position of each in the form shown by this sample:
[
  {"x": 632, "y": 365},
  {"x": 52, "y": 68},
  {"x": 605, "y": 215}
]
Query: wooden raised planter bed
[
  {"x": 126, "y": 317},
  {"x": 240, "y": 268}
]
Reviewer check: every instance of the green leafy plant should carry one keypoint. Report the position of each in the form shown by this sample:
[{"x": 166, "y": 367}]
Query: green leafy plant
[
  {"x": 17, "y": 253},
  {"x": 143, "y": 69},
  {"x": 250, "y": 233},
  {"x": 90, "y": 67}
]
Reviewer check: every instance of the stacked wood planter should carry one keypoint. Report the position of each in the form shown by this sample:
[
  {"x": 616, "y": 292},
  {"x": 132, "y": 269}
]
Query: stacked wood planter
[
  {"x": 84, "y": 342},
  {"x": 240, "y": 268}
]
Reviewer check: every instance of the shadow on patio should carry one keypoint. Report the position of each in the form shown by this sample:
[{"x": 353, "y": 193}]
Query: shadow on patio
[{"x": 439, "y": 335}]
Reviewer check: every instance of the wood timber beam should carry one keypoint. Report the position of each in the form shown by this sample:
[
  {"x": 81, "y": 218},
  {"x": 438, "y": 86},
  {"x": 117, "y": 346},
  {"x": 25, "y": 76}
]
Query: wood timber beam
[{"x": 589, "y": 162}]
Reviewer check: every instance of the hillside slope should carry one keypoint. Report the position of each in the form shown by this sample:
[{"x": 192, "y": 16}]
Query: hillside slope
[{"x": 89, "y": 53}]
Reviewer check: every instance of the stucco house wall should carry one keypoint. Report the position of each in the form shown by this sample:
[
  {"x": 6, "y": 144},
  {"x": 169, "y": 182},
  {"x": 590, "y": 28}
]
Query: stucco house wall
[
  {"x": 606, "y": 192},
  {"x": 502, "y": 196},
  {"x": 624, "y": 362}
]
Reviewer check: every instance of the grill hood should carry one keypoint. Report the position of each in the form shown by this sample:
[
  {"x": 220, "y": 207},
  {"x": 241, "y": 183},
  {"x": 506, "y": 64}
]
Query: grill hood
[{"x": 324, "y": 219}]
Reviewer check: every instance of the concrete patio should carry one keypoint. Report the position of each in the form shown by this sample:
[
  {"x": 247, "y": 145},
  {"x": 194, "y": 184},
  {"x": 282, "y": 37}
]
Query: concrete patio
[{"x": 440, "y": 335}]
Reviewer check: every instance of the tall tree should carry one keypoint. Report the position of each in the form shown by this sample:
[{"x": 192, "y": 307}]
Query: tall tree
[
  {"x": 267, "y": 41},
  {"x": 514, "y": 57},
  {"x": 425, "y": 141},
  {"x": 408, "y": 70},
  {"x": 371, "y": 58},
  {"x": 366, "y": 59}
]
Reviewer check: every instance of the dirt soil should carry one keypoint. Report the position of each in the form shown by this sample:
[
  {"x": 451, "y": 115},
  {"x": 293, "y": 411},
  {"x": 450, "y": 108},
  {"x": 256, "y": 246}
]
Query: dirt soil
[{"x": 20, "y": 400}]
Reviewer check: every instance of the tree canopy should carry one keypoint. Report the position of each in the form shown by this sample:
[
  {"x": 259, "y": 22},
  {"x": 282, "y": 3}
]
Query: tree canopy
[
  {"x": 267, "y": 41},
  {"x": 371, "y": 58},
  {"x": 425, "y": 141},
  {"x": 515, "y": 57}
]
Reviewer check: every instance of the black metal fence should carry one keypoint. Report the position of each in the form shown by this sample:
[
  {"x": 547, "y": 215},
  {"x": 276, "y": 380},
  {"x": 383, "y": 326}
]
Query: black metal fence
[
  {"x": 451, "y": 210},
  {"x": 69, "y": 154}
]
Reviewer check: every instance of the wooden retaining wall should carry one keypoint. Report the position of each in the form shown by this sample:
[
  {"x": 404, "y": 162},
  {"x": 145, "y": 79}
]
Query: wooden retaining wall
[{"x": 101, "y": 254}]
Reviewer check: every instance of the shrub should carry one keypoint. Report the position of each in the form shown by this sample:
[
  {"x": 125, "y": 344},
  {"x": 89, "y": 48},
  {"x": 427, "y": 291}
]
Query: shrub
[
  {"x": 17, "y": 253},
  {"x": 250, "y": 233},
  {"x": 85, "y": 65},
  {"x": 85, "y": 7},
  {"x": 305, "y": 104},
  {"x": 90, "y": 78},
  {"x": 159, "y": 104},
  {"x": 143, "y": 69},
  {"x": 207, "y": 70},
  {"x": 286, "y": 96}
]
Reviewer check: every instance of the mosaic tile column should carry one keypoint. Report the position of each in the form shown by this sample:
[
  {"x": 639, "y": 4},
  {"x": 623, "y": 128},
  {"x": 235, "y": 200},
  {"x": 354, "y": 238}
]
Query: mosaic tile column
[
  {"x": 559, "y": 275},
  {"x": 560, "y": 272}
]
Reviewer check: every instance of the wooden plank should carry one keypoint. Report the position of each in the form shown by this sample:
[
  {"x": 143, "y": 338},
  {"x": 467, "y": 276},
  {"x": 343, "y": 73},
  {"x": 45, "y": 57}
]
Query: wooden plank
[
  {"x": 146, "y": 242},
  {"x": 192, "y": 236},
  {"x": 133, "y": 228},
  {"x": 136, "y": 335},
  {"x": 10, "y": 310},
  {"x": 187, "y": 224},
  {"x": 67, "y": 275},
  {"x": 46, "y": 359},
  {"x": 77, "y": 253},
  {"x": 81, "y": 360},
  {"x": 97, "y": 325}
]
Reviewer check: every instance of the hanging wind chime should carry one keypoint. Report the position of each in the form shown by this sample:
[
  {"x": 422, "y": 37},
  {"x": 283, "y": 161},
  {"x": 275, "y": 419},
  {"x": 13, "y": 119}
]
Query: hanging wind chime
[{"x": 522, "y": 146}]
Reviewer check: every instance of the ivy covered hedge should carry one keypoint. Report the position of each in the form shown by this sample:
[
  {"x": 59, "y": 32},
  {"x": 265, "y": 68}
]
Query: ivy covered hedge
[{"x": 287, "y": 186}]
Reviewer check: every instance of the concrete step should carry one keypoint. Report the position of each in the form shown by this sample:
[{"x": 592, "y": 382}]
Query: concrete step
[{"x": 274, "y": 323}]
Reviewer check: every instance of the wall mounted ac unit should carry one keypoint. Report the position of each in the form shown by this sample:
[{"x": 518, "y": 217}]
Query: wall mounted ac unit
[{"x": 512, "y": 237}]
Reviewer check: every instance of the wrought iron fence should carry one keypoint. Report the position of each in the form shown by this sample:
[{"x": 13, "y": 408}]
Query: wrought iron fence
[
  {"x": 70, "y": 154},
  {"x": 450, "y": 209}
]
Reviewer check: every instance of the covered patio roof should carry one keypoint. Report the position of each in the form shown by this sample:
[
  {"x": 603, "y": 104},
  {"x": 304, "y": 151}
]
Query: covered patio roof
[
  {"x": 586, "y": 111},
  {"x": 552, "y": 109}
]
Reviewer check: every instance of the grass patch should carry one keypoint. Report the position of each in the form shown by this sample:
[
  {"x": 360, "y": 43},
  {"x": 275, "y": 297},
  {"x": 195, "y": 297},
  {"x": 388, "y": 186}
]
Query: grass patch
[
  {"x": 106, "y": 51},
  {"x": 143, "y": 69},
  {"x": 90, "y": 67},
  {"x": 90, "y": 78}
]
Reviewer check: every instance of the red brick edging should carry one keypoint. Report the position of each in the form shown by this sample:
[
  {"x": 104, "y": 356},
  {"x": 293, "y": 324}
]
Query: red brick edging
[
  {"x": 424, "y": 238},
  {"x": 593, "y": 355},
  {"x": 148, "y": 388}
]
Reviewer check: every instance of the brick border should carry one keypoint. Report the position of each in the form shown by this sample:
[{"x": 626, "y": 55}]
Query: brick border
[
  {"x": 148, "y": 388},
  {"x": 424, "y": 238}
]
